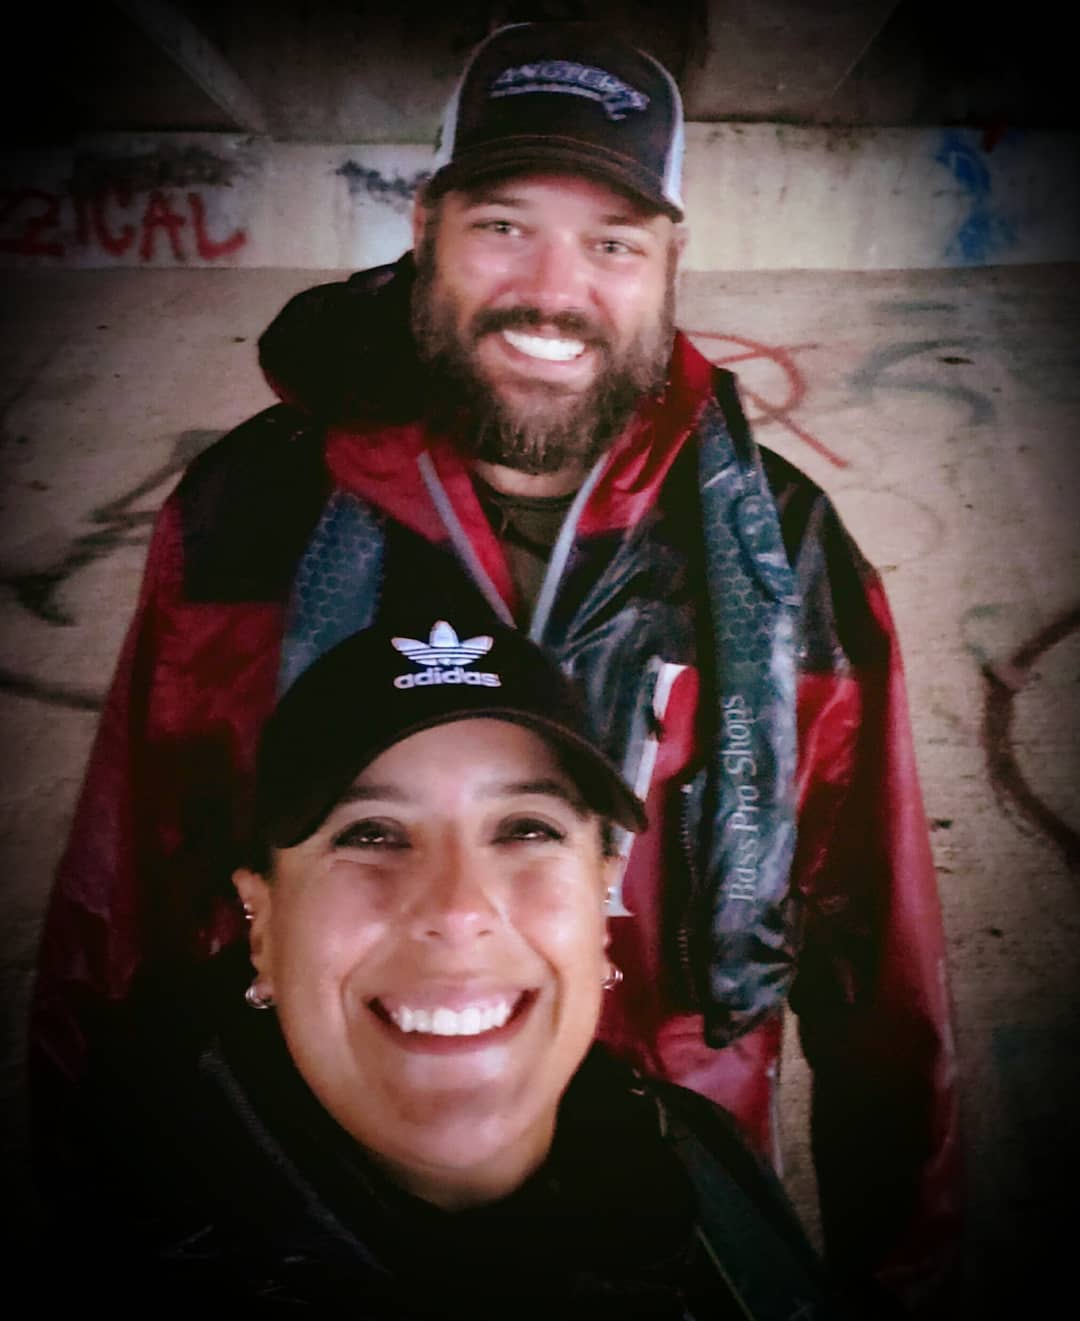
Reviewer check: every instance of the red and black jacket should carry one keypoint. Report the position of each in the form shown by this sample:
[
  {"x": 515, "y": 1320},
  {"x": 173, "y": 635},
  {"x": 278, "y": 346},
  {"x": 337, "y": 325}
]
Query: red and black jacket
[{"x": 851, "y": 927}]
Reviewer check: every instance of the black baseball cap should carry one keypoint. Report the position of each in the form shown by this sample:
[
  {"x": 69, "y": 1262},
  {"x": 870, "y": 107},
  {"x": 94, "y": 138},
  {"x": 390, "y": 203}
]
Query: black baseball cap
[
  {"x": 380, "y": 686},
  {"x": 564, "y": 96}
]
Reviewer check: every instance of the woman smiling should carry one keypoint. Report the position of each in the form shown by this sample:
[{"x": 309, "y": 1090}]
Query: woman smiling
[{"x": 420, "y": 1124}]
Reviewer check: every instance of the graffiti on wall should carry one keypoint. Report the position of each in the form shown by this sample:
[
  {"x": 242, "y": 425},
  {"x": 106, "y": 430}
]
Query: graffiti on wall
[
  {"x": 985, "y": 233},
  {"x": 1004, "y": 682},
  {"x": 879, "y": 371},
  {"x": 114, "y": 223},
  {"x": 118, "y": 523},
  {"x": 155, "y": 203},
  {"x": 393, "y": 190}
]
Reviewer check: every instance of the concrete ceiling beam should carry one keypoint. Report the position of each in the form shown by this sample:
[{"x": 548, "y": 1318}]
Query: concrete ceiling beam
[
  {"x": 175, "y": 34},
  {"x": 782, "y": 59}
]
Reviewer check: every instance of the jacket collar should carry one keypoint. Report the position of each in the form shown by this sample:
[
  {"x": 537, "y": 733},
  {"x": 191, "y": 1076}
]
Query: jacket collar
[{"x": 379, "y": 462}]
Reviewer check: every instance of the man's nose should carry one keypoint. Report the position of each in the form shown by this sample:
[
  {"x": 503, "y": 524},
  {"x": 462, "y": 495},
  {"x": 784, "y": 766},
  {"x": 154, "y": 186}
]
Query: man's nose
[
  {"x": 456, "y": 903},
  {"x": 555, "y": 275}
]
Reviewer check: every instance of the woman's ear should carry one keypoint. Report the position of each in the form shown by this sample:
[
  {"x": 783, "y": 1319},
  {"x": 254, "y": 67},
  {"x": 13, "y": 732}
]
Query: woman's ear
[
  {"x": 258, "y": 901},
  {"x": 610, "y": 874}
]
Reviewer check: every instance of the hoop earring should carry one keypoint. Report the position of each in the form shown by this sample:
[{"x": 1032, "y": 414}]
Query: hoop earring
[
  {"x": 256, "y": 999},
  {"x": 613, "y": 978}
]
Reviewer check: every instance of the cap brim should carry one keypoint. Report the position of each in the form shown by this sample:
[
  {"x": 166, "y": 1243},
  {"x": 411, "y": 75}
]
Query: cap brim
[
  {"x": 602, "y": 787},
  {"x": 516, "y": 155}
]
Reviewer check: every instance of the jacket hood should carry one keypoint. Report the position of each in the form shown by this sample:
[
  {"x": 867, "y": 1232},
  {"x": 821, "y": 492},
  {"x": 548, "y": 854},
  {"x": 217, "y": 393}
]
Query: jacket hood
[{"x": 344, "y": 352}]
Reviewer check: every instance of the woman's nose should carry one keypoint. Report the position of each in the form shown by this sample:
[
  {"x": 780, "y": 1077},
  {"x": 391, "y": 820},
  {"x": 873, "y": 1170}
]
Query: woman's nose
[{"x": 455, "y": 903}]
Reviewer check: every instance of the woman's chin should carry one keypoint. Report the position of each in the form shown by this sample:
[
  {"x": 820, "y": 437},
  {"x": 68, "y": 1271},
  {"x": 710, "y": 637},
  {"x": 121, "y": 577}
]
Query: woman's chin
[
  {"x": 469, "y": 1156},
  {"x": 460, "y": 1104}
]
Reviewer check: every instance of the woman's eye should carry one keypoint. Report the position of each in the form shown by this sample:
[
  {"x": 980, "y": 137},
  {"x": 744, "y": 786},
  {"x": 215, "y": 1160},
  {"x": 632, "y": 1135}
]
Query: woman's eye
[
  {"x": 370, "y": 835},
  {"x": 527, "y": 829}
]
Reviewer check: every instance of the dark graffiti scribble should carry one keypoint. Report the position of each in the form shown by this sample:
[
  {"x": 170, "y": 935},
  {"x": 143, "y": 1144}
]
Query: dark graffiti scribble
[
  {"x": 1003, "y": 682},
  {"x": 393, "y": 190},
  {"x": 876, "y": 373},
  {"x": 116, "y": 525},
  {"x": 917, "y": 307},
  {"x": 164, "y": 166},
  {"x": 52, "y": 694}
]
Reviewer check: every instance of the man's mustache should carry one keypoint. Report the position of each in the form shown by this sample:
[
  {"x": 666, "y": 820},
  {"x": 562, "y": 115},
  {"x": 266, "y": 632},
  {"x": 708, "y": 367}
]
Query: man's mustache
[{"x": 569, "y": 324}]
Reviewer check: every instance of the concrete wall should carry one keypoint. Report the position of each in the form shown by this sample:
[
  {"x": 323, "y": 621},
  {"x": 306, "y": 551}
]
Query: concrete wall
[{"x": 759, "y": 197}]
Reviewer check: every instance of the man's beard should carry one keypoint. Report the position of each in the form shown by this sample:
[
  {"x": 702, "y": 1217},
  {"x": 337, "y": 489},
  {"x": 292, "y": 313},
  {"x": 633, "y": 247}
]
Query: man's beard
[{"x": 552, "y": 429}]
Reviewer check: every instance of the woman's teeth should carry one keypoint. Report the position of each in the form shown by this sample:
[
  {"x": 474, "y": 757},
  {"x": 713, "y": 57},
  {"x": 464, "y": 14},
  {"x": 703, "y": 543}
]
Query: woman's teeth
[
  {"x": 444, "y": 1022},
  {"x": 539, "y": 346}
]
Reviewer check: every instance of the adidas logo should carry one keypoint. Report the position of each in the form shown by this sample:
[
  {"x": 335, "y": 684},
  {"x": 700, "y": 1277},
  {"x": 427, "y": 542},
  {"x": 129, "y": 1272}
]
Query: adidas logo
[
  {"x": 445, "y": 655},
  {"x": 443, "y": 647}
]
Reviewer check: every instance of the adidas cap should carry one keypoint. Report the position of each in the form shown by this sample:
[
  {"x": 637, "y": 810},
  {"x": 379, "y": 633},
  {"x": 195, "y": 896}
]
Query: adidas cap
[
  {"x": 564, "y": 96},
  {"x": 382, "y": 685}
]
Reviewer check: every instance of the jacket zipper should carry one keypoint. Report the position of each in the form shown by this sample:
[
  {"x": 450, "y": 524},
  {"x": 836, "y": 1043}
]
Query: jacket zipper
[
  {"x": 682, "y": 935},
  {"x": 639, "y": 763}
]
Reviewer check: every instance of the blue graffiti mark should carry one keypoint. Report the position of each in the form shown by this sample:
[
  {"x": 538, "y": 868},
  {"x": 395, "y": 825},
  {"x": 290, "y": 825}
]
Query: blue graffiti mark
[
  {"x": 877, "y": 373},
  {"x": 984, "y": 233},
  {"x": 394, "y": 191},
  {"x": 899, "y": 308}
]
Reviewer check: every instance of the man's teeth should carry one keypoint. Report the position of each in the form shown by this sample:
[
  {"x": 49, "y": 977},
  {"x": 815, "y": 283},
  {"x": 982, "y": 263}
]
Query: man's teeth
[
  {"x": 538, "y": 346},
  {"x": 443, "y": 1022}
]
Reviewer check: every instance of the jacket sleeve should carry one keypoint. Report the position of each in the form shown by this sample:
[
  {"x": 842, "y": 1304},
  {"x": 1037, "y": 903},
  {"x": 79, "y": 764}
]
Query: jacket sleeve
[
  {"x": 871, "y": 990},
  {"x": 145, "y": 875}
]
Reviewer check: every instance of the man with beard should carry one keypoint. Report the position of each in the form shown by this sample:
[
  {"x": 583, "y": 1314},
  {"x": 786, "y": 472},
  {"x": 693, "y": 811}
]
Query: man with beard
[
  {"x": 521, "y": 420},
  {"x": 508, "y": 419}
]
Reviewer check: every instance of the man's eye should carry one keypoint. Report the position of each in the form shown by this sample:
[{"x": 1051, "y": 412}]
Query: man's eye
[
  {"x": 496, "y": 226},
  {"x": 370, "y": 835},
  {"x": 620, "y": 247},
  {"x": 528, "y": 830}
]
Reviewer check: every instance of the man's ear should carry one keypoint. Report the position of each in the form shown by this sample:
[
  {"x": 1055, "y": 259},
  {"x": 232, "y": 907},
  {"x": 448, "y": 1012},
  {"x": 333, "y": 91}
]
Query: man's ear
[
  {"x": 680, "y": 236},
  {"x": 420, "y": 216},
  {"x": 258, "y": 901}
]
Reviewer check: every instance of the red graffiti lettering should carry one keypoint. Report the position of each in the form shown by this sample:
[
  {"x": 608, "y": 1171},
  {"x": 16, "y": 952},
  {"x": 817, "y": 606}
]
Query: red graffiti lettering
[
  {"x": 116, "y": 244},
  {"x": 28, "y": 242},
  {"x": 791, "y": 395},
  {"x": 30, "y": 224},
  {"x": 159, "y": 216},
  {"x": 82, "y": 219},
  {"x": 210, "y": 249}
]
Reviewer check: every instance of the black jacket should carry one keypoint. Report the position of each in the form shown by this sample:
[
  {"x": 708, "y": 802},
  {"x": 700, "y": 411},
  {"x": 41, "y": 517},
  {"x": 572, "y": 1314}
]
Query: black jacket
[{"x": 208, "y": 1174}]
